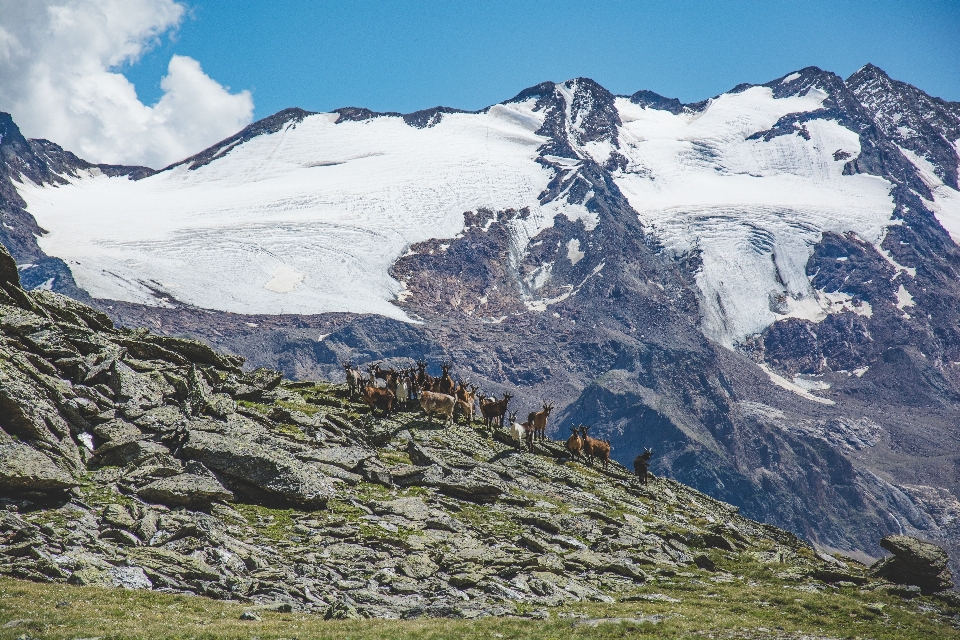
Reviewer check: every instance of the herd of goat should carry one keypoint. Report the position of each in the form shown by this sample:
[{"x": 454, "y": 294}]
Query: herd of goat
[{"x": 444, "y": 396}]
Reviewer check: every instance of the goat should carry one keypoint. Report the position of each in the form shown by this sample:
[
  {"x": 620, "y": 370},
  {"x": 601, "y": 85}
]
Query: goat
[
  {"x": 407, "y": 377},
  {"x": 383, "y": 374},
  {"x": 396, "y": 383},
  {"x": 493, "y": 409},
  {"x": 377, "y": 398},
  {"x": 538, "y": 421},
  {"x": 595, "y": 448},
  {"x": 574, "y": 443},
  {"x": 466, "y": 406},
  {"x": 528, "y": 435},
  {"x": 587, "y": 443},
  {"x": 517, "y": 432},
  {"x": 466, "y": 399},
  {"x": 641, "y": 465},
  {"x": 423, "y": 379},
  {"x": 446, "y": 385},
  {"x": 432, "y": 403},
  {"x": 403, "y": 391},
  {"x": 601, "y": 449},
  {"x": 354, "y": 377}
]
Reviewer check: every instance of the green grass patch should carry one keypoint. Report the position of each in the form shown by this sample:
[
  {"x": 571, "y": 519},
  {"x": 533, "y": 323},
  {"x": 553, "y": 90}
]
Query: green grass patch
[
  {"x": 303, "y": 407},
  {"x": 255, "y": 406},
  {"x": 63, "y": 612},
  {"x": 276, "y": 524},
  {"x": 395, "y": 457}
]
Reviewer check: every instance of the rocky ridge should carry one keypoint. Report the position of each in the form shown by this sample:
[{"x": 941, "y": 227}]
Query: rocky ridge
[{"x": 149, "y": 462}]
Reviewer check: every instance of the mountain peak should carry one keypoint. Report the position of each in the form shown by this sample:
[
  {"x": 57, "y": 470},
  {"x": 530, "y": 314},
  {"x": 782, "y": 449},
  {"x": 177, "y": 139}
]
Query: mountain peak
[
  {"x": 872, "y": 77},
  {"x": 270, "y": 124},
  {"x": 545, "y": 88},
  {"x": 803, "y": 80},
  {"x": 9, "y": 131},
  {"x": 869, "y": 70},
  {"x": 653, "y": 100}
]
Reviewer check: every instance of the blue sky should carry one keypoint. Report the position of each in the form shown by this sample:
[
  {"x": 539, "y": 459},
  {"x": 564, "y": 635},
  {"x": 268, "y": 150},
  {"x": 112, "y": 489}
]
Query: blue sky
[{"x": 404, "y": 56}]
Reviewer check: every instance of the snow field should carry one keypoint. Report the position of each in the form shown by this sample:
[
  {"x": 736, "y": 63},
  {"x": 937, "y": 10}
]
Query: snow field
[
  {"x": 306, "y": 220},
  {"x": 753, "y": 208}
]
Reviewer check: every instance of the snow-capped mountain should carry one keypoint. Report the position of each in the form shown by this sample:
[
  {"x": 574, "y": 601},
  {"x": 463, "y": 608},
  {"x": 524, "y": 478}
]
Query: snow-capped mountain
[
  {"x": 309, "y": 215},
  {"x": 764, "y": 286}
]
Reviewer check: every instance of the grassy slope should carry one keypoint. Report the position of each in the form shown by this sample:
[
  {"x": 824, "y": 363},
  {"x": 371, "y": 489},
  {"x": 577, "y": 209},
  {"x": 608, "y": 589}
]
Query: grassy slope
[{"x": 720, "y": 610}]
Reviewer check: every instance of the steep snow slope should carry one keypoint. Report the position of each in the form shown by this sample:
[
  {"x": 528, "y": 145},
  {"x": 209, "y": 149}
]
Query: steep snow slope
[
  {"x": 946, "y": 200},
  {"x": 753, "y": 208},
  {"x": 305, "y": 220}
]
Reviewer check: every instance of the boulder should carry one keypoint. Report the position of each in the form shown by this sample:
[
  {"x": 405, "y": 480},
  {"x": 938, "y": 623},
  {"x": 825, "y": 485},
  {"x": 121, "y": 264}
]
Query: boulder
[
  {"x": 171, "y": 563},
  {"x": 410, "y": 508},
  {"x": 348, "y": 458},
  {"x": 67, "y": 310},
  {"x": 475, "y": 486},
  {"x": 185, "y": 489},
  {"x": 27, "y": 411},
  {"x": 337, "y": 473},
  {"x": 133, "y": 388},
  {"x": 23, "y": 468},
  {"x": 412, "y": 476},
  {"x": 914, "y": 562},
  {"x": 119, "y": 454},
  {"x": 162, "y": 419},
  {"x": 195, "y": 351},
  {"x": 263, "y": 379},
  {"x": 129, "y": 578},
  {"x": 118, "y": 516},
  {"x": 270, "y": 470},
  {"x": 419, "y": 566},
  {"x": 117, "y": 431}
]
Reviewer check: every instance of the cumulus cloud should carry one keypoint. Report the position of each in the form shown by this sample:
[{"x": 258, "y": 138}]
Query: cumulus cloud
[{"x": 59, "y": 80}]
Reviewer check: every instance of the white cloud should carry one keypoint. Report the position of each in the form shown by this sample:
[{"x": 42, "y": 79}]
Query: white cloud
[{"x": 58, "y": 79}]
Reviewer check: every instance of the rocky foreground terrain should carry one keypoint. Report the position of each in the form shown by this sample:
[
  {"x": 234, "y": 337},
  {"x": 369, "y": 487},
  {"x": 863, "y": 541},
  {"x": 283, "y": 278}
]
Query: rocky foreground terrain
[{"x": 149, "y": 462}]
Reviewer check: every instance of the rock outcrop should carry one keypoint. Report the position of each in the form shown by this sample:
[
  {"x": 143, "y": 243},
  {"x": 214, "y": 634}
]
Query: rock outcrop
[{"x": 914, "y": 562}]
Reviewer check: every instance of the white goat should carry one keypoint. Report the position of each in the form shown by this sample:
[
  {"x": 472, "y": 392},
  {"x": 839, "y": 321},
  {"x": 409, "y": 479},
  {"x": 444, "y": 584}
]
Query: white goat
[{"x": 517, "y": 432}]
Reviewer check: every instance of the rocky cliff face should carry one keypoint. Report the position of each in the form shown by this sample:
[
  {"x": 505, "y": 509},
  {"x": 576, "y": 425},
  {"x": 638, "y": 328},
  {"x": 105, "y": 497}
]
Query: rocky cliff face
[{"x": 840, "y": 426}]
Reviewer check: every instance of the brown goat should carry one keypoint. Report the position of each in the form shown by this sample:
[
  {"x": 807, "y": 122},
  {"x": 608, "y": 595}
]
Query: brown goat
[
  {"x": 446, "y": 385},
  {"x": 441, "y": 403},
  {"x": 410, "y": 379},
  {"x": 423, "y": 379},
  {"x": 466, "y": 399},
  {"x": 574, "y": 443},
  {"x": 538, "y": 421},
  {"x": 383, "y": 374},
  {"x": 601, "y": 449},
  {"x": 587, "y": 442},
  {"x": 595, "y": 448},
  {"x": 493, "y": 409},
  {"x": 377, "y": 398},
  {"x": 528, "y": 435}
]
